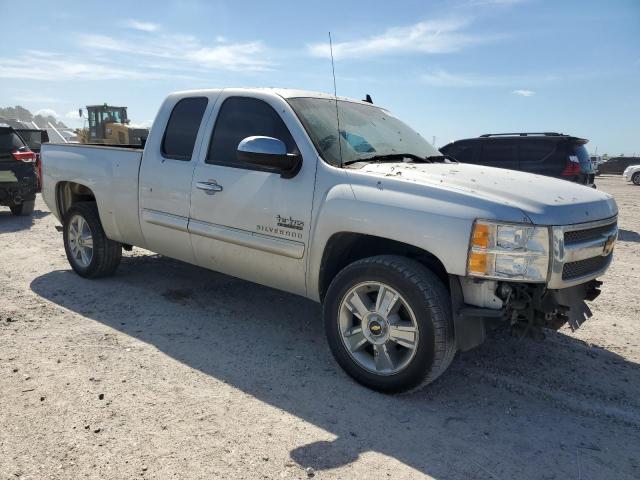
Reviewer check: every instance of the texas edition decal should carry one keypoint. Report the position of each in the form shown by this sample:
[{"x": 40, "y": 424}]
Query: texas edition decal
[{"x": 284, "y": 227}]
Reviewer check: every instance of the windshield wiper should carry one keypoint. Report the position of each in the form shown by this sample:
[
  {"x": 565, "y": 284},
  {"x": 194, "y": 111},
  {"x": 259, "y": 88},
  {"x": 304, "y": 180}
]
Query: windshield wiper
[{"x": 389, "y": 157}]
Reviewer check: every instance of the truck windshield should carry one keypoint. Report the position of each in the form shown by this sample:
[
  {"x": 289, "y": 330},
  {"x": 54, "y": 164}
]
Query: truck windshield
[{"x": 366, "y": 131}]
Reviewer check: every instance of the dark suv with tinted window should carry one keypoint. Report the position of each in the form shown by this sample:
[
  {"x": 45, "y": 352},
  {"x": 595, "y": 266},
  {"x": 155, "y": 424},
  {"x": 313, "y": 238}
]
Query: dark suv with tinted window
[
  {"x": 551, "y": 154},
  {"x": 18, "y": 179}
]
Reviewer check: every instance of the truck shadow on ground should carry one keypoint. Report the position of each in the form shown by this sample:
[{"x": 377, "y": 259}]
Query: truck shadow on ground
[
  {"x": 11, "y": 223},
  {"x": 512, "y": 408},
  {"x": 628, "y": 236}
]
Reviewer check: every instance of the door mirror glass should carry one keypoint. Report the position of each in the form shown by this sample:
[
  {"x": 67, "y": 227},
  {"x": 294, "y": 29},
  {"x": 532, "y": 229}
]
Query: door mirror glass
[{"x": 270, "y": 154}]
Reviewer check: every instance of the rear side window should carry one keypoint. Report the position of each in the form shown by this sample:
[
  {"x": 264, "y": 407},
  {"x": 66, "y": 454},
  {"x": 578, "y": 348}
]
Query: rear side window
[
  {"x": 536, "y": 151},
  {"x": 242, "y": 117},
  {"x": 9, "y": 141},
  {"x": 498, "y": 154},
  {"x": 182, "y": 129}
]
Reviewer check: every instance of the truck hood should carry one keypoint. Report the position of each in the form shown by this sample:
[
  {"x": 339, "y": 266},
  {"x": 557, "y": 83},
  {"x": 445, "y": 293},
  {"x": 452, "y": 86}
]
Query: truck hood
[{"x": 544, "y": 200}]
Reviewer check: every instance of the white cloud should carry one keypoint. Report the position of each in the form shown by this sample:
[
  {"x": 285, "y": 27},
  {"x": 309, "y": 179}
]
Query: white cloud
[
  {"x": 56, "y": 68},
  {"x": 438, "y": 36},
  {"x": 524, "y": 93},
  {"x": 187, "y": 50},
  {"x": 141, "y": 26},
  {"x": 72, "y": 115},
  {"x": 34, "y": 98},
  {"x": 442, "y": 78},
  {"x": 48, "y": 112}
]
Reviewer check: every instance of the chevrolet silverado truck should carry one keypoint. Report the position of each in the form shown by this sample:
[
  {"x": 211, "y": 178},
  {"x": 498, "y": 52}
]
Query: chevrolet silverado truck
[{"x": 412, "y": 255}]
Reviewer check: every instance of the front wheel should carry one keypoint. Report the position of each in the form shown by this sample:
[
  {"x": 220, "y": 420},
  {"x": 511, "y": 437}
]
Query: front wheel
[
  {"x": 90, "y": 253},
  {"x": 388, "y": 323},
  {"x": 636, "y": 178}
]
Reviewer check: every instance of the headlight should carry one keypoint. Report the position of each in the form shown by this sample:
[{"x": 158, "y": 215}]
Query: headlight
[{"x": 509, "y": 251}]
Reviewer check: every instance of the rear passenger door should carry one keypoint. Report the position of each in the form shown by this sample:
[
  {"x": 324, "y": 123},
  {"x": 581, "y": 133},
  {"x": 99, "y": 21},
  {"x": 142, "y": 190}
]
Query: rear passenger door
[{"x": 165, "y": 176}]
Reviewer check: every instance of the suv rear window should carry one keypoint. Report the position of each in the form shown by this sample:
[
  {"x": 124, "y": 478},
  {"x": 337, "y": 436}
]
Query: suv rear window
[
  {"x": 33, "y": 138},
  {"x": 182, "y": 128},
  {"x": 9, "y": 140}
]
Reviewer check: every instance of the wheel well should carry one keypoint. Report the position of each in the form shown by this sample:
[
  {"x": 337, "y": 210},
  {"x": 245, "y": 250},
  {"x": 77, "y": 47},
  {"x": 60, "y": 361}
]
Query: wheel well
[
  {"x": 69, "y": 193},
  {"x": 346, "y": 247}
]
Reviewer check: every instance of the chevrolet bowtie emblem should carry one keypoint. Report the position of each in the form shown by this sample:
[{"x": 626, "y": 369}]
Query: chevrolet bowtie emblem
[{"x": 608, "y": 245}]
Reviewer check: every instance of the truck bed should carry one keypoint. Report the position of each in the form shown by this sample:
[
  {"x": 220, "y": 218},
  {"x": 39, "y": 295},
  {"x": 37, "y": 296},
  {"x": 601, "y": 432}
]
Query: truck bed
[{"x": 109, "y": 171}]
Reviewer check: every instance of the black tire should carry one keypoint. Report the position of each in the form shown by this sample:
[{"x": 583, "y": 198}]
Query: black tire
[
  {"x": 636, "y": 178},
  {"x": 428, "y": 298},
  {"x": 106, "y": 253},
  {"x": 24, "y": 209}
]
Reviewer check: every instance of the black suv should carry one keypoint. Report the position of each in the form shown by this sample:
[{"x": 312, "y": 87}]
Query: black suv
[
  {"x": 18, "y": 179},
  {"x": 552, "y": 154}
]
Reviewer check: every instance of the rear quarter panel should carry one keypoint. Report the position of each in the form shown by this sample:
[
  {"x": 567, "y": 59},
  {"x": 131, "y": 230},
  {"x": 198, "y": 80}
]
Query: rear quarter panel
[{"x": 110, "y": 173}]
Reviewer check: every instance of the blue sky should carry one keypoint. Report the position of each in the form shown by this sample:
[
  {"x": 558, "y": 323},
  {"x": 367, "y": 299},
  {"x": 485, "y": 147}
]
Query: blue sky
[{"x": 451, "y": 69}]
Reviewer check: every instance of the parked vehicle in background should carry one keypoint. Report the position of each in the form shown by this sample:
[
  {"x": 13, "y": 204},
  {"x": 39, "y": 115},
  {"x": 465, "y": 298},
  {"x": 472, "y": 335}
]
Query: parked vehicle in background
[
  {"x": 18, "y": 178},
  {"x": 414, "y": 257},
  {"x": 551, "y": 154},
  {"x": 617, "y": 165},
  {"x": 34, "y": 138},
  {"x": 632, "y": 174}
]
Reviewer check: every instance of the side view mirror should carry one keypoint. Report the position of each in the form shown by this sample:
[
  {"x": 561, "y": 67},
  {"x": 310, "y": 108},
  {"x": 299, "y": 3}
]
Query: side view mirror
[{"x": 270, "y": 154}]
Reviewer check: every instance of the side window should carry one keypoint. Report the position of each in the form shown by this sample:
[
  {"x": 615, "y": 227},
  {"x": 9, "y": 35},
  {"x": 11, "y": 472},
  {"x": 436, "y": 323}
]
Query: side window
[
  {"x": 182, "y": 128},
  {"x": 242, "y": 117},
  {"x": 499, "y": 154},
  {"x": 536, "y": 151}
]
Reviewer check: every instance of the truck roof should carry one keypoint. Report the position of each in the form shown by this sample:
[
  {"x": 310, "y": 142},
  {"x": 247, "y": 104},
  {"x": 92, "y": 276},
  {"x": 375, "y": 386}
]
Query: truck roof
[{"x": 282, "y": 92}]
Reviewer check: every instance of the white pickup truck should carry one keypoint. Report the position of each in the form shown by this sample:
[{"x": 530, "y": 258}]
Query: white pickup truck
[{"x": 413, "y": 256}]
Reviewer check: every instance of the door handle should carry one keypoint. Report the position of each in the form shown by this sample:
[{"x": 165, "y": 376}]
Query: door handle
[{"x": 210, "y": 187}]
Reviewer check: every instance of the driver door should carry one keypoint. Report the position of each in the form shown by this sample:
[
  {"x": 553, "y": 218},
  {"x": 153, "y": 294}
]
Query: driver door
[{"x": 246, "y": 221}]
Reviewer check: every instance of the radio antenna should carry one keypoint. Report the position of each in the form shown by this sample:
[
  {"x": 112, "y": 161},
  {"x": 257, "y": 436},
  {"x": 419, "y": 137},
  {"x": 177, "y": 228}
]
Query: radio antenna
[{"x": 335, "y": 94}]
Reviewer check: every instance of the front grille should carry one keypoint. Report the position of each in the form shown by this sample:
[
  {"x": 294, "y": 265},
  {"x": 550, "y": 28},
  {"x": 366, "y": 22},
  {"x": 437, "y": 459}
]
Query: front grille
[
  {"x": 581, "y": 268},
  {"x": 577, "y": 236}
]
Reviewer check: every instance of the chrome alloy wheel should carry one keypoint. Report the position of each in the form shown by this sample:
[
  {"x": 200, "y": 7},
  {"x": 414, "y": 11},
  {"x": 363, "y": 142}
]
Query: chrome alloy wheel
[
  {"x": 80, "y": 241},
  {"x": 378, "y": 328}
]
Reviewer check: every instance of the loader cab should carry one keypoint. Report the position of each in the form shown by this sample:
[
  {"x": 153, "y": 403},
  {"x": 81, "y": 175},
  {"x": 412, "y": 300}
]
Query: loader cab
[{"x": 100, "y": 118}]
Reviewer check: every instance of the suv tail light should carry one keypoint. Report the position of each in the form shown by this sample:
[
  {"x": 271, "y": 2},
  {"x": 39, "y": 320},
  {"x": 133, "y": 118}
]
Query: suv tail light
[
  {"x": 24, "y": 155},
  {"x": 572, "y": 168}
]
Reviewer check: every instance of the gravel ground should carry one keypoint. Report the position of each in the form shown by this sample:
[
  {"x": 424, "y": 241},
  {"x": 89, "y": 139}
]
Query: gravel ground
[{"x": 167, "y": 370}]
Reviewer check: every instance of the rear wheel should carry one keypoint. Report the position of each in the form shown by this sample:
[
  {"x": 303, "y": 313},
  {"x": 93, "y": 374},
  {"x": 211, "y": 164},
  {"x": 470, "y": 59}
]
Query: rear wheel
[
  {"x": 636, "y": 178},
  {"x": 388, "y": 323},
  {"x": 90, "y": 253},
  {"x": 23, "y": 209}
]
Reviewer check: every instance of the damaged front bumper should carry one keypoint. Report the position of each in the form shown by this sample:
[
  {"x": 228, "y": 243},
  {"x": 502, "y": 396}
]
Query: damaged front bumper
[{"x": 525, "y": 307}]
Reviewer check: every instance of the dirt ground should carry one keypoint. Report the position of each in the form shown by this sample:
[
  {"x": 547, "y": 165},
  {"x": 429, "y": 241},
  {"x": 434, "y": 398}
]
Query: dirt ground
[{"x": 167, "y": 371}]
